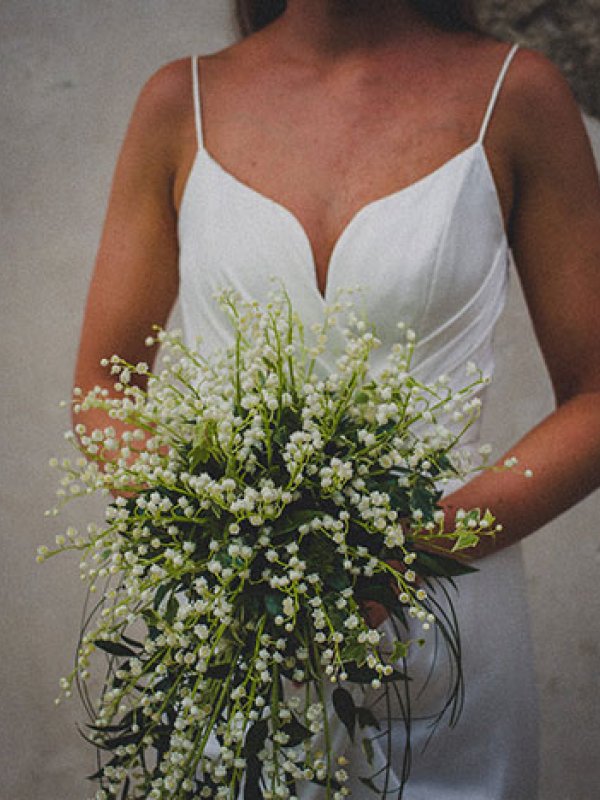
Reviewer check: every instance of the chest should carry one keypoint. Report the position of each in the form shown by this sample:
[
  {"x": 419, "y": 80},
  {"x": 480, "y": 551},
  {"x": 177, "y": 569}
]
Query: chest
[{"x": 326, "y": 156}]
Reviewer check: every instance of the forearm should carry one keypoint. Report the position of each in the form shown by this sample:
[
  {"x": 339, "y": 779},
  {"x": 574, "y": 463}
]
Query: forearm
[{"x": 562, "y": 452}]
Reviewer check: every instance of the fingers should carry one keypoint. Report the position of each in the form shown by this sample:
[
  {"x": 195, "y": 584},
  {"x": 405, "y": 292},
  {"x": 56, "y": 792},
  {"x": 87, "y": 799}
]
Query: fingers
[{"x": 374, "y": 613}]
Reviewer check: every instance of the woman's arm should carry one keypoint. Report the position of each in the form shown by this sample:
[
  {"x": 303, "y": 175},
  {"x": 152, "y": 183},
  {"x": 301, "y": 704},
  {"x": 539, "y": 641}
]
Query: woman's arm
[
  {"x": 135, "y": 279},
  {"x": 555, "y": 238}
]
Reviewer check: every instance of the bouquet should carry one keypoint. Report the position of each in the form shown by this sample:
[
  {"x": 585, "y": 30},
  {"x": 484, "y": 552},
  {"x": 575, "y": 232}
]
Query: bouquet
[{"x": 243, "y": 544}]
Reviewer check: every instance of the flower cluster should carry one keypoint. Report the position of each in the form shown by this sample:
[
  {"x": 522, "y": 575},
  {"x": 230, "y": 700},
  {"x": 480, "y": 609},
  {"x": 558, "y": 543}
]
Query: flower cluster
[{"x": 257, "y": 509}]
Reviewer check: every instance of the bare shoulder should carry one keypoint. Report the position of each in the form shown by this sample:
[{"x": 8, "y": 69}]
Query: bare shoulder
[
  {"x": 538, "y": 84},
  {"x": 534, "y": 89},
  {"x": 543, "y": 119},
  {"x": 541, "y": 92},
  {"x": 166, "y": 99},
  {"x": 164, "y": 102}
]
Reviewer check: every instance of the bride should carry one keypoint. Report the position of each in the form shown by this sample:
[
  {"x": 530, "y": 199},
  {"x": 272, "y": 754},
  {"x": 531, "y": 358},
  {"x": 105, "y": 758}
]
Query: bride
[{"x": 387, "y": 143}]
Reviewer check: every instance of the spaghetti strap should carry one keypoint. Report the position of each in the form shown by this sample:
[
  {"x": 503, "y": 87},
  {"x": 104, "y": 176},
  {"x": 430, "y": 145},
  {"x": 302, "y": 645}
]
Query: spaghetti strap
[
  {"x": 496, "y": 91},
  {"x": 197, "y": 107}
]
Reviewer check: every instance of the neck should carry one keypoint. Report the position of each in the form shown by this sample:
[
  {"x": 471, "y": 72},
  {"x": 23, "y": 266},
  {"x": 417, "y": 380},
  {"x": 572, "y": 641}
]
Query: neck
[{"x": 332, "y": 29}]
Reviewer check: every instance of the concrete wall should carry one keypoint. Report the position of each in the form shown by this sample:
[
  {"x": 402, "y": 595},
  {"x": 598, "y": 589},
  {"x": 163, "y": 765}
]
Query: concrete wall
[{"x": 71, "y": 70}]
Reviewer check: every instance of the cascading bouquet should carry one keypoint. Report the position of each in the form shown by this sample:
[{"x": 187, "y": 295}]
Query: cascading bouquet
[{"x": 244, "y": 542}]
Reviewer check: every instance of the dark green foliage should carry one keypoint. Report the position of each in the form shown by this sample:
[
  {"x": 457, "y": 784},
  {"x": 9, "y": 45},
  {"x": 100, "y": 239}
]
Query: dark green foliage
[{"x": 345, "y": 709}]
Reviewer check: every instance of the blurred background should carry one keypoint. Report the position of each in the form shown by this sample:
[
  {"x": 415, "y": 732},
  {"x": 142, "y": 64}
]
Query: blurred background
[{"x": 70, "y": 73}]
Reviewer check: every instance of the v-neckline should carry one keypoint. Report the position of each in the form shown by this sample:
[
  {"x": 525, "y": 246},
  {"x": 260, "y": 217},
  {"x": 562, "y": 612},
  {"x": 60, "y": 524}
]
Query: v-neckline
[{"x": 287, "y": 213}]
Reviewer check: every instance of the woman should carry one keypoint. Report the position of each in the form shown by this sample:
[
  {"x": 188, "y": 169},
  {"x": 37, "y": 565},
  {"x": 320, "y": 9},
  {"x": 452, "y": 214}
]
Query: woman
[{"x": 385, "y": 142}]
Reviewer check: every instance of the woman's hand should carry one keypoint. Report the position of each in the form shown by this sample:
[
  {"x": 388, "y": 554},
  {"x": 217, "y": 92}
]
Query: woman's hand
[{"x": 375, "y": 613}]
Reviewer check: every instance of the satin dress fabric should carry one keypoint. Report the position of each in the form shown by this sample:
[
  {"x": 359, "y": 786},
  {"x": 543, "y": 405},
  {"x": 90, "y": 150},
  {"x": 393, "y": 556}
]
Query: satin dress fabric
[{"x": 434, "y": 255}]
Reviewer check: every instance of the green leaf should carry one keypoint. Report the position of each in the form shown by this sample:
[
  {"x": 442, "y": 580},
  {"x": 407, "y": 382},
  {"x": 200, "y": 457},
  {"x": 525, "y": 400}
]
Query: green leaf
[
  {"x": 345, "y": 709},
  {"x": 252, "y": 790},
  {"x": 203, "y": 442},
  {"x": 123, "y": 741},
  {"x": 369, "y": 784},
  {"x": 440, "y": 566},
  {"x": 387, "y": 427},
  {"x": 164, "y": 684},
  {"x": 358, "y": 674},
  {"x": 366, "y": 719},
  {"x": 444, "y": 464},
  {"x": 465, "y": 540},
  {"x": 333, "y": 784},
  {"x": 424, "y": 498},
  {"x": 160, "y": 594},
  {"x": 100, "y": 773},
  {"x": 355, "y": 652},
  {"x": 125, "y": 788},
  {"x": 274, "y": 604},
  {"x": 369, "y": 752},
  {"x": 95, "y": 743},
  {"x": 255, "y": 739},
  {"x": 171, "y": 610},
  {"x": 218, "y": 671},
  {"x": 377, "y": 592},
  {"x": 339, "y": 580},
  {"x": 399, "y": 650},
  {"x": 294, "y": 519},
  {"x": 131, "y": 642},
  {"x": 297, "y": 732},
  {"x": 364, "y": 675},
  {"x": 114, "y": 648},
  {"x": 131, "y": 717},
  {"x": 116, "y": 682},
  {"x": 106, "y": 728}
]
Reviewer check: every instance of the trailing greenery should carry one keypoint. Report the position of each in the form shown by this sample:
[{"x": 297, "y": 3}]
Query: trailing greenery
[{"x": 262, "y": 511}]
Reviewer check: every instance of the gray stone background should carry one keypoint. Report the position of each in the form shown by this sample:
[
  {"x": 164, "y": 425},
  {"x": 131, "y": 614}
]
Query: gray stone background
[{"x": 70, "y": 72}]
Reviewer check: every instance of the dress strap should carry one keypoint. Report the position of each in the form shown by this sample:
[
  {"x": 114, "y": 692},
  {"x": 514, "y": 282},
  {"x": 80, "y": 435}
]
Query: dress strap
[
  {"x": 496, "y": 91},
  {"x": 197, "y": 106}
]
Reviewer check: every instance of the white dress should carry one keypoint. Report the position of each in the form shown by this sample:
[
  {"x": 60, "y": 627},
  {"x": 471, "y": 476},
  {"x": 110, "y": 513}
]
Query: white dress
[{"x": 434, "y": 255}]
